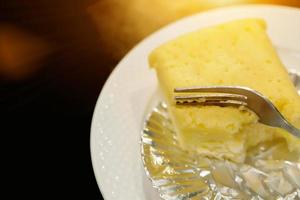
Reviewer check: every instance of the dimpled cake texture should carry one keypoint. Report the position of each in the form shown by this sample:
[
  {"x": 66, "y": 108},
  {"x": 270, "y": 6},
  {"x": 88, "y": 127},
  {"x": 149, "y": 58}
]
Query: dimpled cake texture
[{"x": 234, "y": 53}]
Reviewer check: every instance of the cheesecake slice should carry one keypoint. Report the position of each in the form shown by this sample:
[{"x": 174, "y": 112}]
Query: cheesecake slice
[{"x": 234, "y": 53}]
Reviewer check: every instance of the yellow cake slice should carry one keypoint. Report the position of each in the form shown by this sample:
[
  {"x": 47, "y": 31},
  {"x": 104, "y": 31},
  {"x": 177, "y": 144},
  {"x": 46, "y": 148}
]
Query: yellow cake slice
[{"x": 234, "y": 53}]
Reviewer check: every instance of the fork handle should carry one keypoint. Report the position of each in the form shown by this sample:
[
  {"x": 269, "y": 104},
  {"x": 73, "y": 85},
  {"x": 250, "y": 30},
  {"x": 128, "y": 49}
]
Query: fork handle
[{"x": 290, "y": 128}]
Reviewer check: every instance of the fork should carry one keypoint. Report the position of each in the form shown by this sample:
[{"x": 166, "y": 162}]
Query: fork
[{"x": 236, "y": 96}]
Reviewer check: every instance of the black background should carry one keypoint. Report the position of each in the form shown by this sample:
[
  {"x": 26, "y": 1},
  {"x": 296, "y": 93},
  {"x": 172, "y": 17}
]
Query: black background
[{"x": 45, "y": 119}]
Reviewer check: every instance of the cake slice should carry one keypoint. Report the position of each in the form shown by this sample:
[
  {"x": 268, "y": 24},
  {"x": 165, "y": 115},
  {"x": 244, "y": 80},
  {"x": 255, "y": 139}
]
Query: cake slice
[{"x": 234, "y": 53}]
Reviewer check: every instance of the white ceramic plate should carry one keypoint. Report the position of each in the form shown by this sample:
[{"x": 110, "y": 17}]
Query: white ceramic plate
[{"x": 126, "y": 97}]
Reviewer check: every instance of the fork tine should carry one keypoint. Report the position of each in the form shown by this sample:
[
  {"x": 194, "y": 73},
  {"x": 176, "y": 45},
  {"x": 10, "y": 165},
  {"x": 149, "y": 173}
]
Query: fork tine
[
  {"x": 211, "y": 102},
  {"x": 204, "y": 97},
  {"x": 211, "y": 89}
]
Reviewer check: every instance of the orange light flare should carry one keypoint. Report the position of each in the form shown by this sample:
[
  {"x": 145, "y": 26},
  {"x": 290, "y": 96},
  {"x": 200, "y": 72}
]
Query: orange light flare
[
  {"x": 20, "y": 52},
  {"x": 123, "y": 23}
]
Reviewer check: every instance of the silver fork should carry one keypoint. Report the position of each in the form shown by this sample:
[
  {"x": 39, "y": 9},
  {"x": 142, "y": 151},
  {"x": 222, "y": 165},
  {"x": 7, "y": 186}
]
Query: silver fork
[{"x": 236, "y": 96}]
